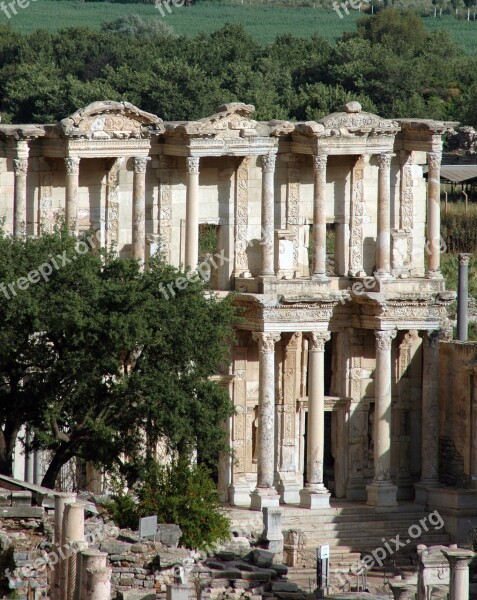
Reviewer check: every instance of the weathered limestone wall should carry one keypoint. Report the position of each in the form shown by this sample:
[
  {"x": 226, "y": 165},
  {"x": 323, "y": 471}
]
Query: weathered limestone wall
[{"x": 457, "y": 412}]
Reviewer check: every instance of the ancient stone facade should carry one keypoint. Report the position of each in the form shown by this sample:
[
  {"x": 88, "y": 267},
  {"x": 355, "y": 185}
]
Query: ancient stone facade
[{"x": 328, "y": 232}]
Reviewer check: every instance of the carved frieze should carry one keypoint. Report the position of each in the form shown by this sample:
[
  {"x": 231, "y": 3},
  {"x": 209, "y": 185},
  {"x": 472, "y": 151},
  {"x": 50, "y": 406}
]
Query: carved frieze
[
  {"x": 293, "y": 207},
  {"x": 166, "y": 164},
  {"x": 112, "y": 203},
  {"x": 357, "y": 217},
  {"x": 241, "y": 216}
]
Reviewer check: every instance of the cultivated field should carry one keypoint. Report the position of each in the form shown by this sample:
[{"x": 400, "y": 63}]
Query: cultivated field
[{"x": 264, "y": 22}]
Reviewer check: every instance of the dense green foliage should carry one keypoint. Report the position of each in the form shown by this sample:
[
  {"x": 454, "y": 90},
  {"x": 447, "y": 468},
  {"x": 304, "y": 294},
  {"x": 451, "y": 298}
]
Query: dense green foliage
[
  {"x": 390, "y": 63},
  {"x": 102, "y": 364}
]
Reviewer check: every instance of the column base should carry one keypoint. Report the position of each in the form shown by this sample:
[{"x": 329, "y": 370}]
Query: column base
[
  {"x": 382, "y": 496},
  {"x": 315, "y": 497},
  {"x": 289, "y": 492},
  {"x": 320, "y": 277},
  {"x": 383, "y": 275},
  {"x": 422, "y": 491},
  {"x": 262, "y": 498},
  {"x": 239, "y": 494},
  {"x": 433, "y": 274}
]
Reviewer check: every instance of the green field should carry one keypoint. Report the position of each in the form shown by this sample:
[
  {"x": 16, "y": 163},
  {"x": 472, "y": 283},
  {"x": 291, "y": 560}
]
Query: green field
[{"x": 263, "y": 22}]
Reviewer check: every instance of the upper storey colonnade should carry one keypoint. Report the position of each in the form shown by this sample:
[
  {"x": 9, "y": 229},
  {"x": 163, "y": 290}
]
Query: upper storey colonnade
[{"x": 353, "y": 141}]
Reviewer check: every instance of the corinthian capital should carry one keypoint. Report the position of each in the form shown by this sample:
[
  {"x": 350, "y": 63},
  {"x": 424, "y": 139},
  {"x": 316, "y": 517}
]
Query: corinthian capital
[
  {"x": 266, "y": 341},
  {"x": 384, "y": 339},
  {"x": 434, "y": 160},
  {"x": 140, "y": 163},
  {"x": 20, "y": 166},
  {"x": 192, "y": 164},
  {"x": 319, "y": 162},
  {"x": 72, "y": 165},
  {"x": 384, "y": 160},
  {"x": 318, "y": 340},
  {"x": 268, "y": 163}
]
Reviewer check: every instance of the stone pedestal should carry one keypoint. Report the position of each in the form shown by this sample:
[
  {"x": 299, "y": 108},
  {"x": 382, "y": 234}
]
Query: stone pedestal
[
  {"x": 381, "y": 492},
  {"x": 192, "y": 212},
  {"x": 315, "y": 497},
  {"x": 265, "y": 497}
]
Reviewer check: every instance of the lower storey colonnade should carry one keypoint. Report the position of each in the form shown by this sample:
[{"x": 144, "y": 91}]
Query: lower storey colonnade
[{"x": 381, "y": 491}]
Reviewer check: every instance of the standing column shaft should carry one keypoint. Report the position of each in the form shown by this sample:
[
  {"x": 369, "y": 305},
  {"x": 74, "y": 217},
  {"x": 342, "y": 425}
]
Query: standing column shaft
[
  {"x": 20, "y": 166},
  {"x": 266, "y": 409},
  {"x": 316, "y": 409},
  {"x": 319, "y": 215},
  {"x": 382, "y": 408},
  {"x": 268, "y": 215},
  {"x": 459, "y": 576},
  {"x": 72, "y": 183},
  {"x": 72, "y": 531},
  {"x": 433, "y": 229},
  {"x": 463, "y": 298},
  {"x": 192, "y": 213},
  {"x": 383, "y": 239},
  {"x": 430, "y": 410},
  {"x": 60, "y": 502},
  {"x": 139, "y": 208}
]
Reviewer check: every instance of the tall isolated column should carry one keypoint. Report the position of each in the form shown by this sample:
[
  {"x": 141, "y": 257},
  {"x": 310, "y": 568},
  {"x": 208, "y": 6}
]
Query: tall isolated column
[
  {"x": 265, "y": 493},
  {"x": 433, "y": 229},
  {"x": 463, "y": 298},
  {"x": 20, "y": 167},
  {"x": 71, "y": 192},
  {"x": 192, "y": 213},
  {"x": 383, "y": 238},
  {"x": 319, "y": 216},
  {"x": 382, "y": 492},
  {"x": 459, "y": 560},
  {"x": 315, "y": 494},
  {"x": 268, "y": 215},
  {"x": 139, "y": 208}
]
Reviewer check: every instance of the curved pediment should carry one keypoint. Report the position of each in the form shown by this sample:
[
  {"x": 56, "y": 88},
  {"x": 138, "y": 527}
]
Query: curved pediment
[
  {"x": 353, "y": 120},
  {"x": 111, "y": 120},
  {"x": 233, "y": 117}
]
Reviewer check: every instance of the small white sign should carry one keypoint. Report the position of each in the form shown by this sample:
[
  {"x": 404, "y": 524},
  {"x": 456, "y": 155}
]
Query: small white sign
[
  {"x": 324, "y": 552},
  {"x": 148, "y": 527}
]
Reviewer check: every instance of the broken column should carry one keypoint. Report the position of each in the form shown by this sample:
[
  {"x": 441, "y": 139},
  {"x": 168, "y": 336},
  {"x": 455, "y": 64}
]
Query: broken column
[
  {"x": 89, "y": 560},
  {"x": 98, "y": 584},
  {"x": 459, "y": 560},
  {"x": 272, "y": 531},
  {"x": 72, "y": 531},
  {"x": 61, "y": 499}
]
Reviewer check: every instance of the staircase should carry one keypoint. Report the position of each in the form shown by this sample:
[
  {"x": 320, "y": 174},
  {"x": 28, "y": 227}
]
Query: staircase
[{"x": 352, "y": 531}]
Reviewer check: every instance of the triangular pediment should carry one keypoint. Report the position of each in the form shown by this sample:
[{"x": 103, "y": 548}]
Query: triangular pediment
[{"x": 111, "y": 120}]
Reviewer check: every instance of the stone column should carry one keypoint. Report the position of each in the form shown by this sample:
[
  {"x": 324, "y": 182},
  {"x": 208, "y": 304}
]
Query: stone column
[
  {"x": 90, "y": 559},
  {"x": 72, "y": 531},
  {"x": 383, "y": 238},
  {"x": 192, "y": 213},
  {"x": 433, "y": 229},
  {"x": 268, "y": 215},
  {"x": 459, "y": 560},
  {"x": 315, "y": 494},
  {"x": 430, "y": 415},
  {"x": 139, "y": 208},
  {"x": 319, "y": 216},
  {"x": 20, "y": 167},
  {"x": 265, "y": 493},
  {"x": 382, "y": 492},
  {"x": 61, "y": 499},
  {"x": 98, "y": 584},
  {"x": 71, "y": 191},
  {"x": 463, "y": 298}
]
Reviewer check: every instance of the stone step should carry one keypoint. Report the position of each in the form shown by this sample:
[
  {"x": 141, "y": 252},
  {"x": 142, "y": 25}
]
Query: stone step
[
  {"x": 365, "y": 542},
  {"x": 395, "y": 526}
]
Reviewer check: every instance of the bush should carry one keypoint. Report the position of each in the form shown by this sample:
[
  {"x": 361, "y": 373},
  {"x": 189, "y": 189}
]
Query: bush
[
  {"x": 186, "y": 495},
  {"x": 124, "y": 511}
]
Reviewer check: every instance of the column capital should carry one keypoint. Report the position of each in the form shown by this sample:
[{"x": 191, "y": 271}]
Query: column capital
[
  {"x": 266, "y": 341},
  {"x": 268, "y": 162},
  {"x": 20, "y": 166},
  {"x": 140, "y": 163},
  {"x": 464, "y": 260},
  {"x": 320, "y": 161},
  {"x": 192, "y": 164},
  {"x": 434, "y": 160},
  {"x": 384, "y": 339},
  {"x": 459, "y": 558},
  {"x": 384, "y": 160},
  {"x": 72, "y": 165},
  {"x": 318, "y": 340}
]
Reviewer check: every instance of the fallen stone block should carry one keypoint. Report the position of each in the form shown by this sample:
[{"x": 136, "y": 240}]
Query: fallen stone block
[
  {"x": 283, "y": 586},
  {"x": 21, "y": 498},
  {"x": 169, "y": 534},
  {"x": 22, "y": 512},
  {"x": 261, "y": 558},
  {"x": 282, "y": 570},
  {"x": 115, "y": 547}
]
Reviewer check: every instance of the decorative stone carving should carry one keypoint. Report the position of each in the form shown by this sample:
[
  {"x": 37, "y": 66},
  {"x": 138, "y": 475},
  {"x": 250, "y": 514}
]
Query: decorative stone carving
[
  {"x": 46, "y": 192},
  {"x": 384, "y": 160},
  {"x": 384, "y": 339},
  {"x": 464, "y": 259},
  {"x": 266, "y": 341},
  {"x": 357, "y": 217},
  {"x": 72, "y": 164},
  {"x": 268, "y": 163},
  {"x": 293, "y": 207},
  {"x": 241, "y": 217},
  {"x": 434, "y": 160},
  {"x": 111, "y": 120},
  {"x": 192, "y": 164},
  {"x": 353, "y": 120},
  {"x": 112, "y": 203},
  {"x": 166, "y": 164},
  {"x": 320, "y": 161},
  {"x": 20, "y": 166},
  {"x": 318, "y": 340},
  {"x": 233, "y": 117},
  {"x": 140, "y": 163}
]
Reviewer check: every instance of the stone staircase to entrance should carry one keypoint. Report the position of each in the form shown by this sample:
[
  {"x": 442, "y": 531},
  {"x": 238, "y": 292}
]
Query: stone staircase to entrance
[{"x": 351, "y": 530}]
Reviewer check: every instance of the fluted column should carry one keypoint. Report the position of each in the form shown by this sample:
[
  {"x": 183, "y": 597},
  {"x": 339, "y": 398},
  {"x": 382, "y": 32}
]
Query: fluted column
[
  {"x": 139, "y": 208},
  {"x": 268, "y": 215},
  {"x": 71, "y": 191},
  {"x": 192, "y": 212},
  {"x": 20, "y": 167},
  {"x": 381, "y": 492},
  {"x": 430, "y": 410},
  {"x": 459, "y": 560},
  {"x": 383, "y": 238},
  {"x": 319, "y": 216},
  {"x": 265, "y": 493},
  {"x": 433, "y": 228},
  {"x": 315, "y": 494}
]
